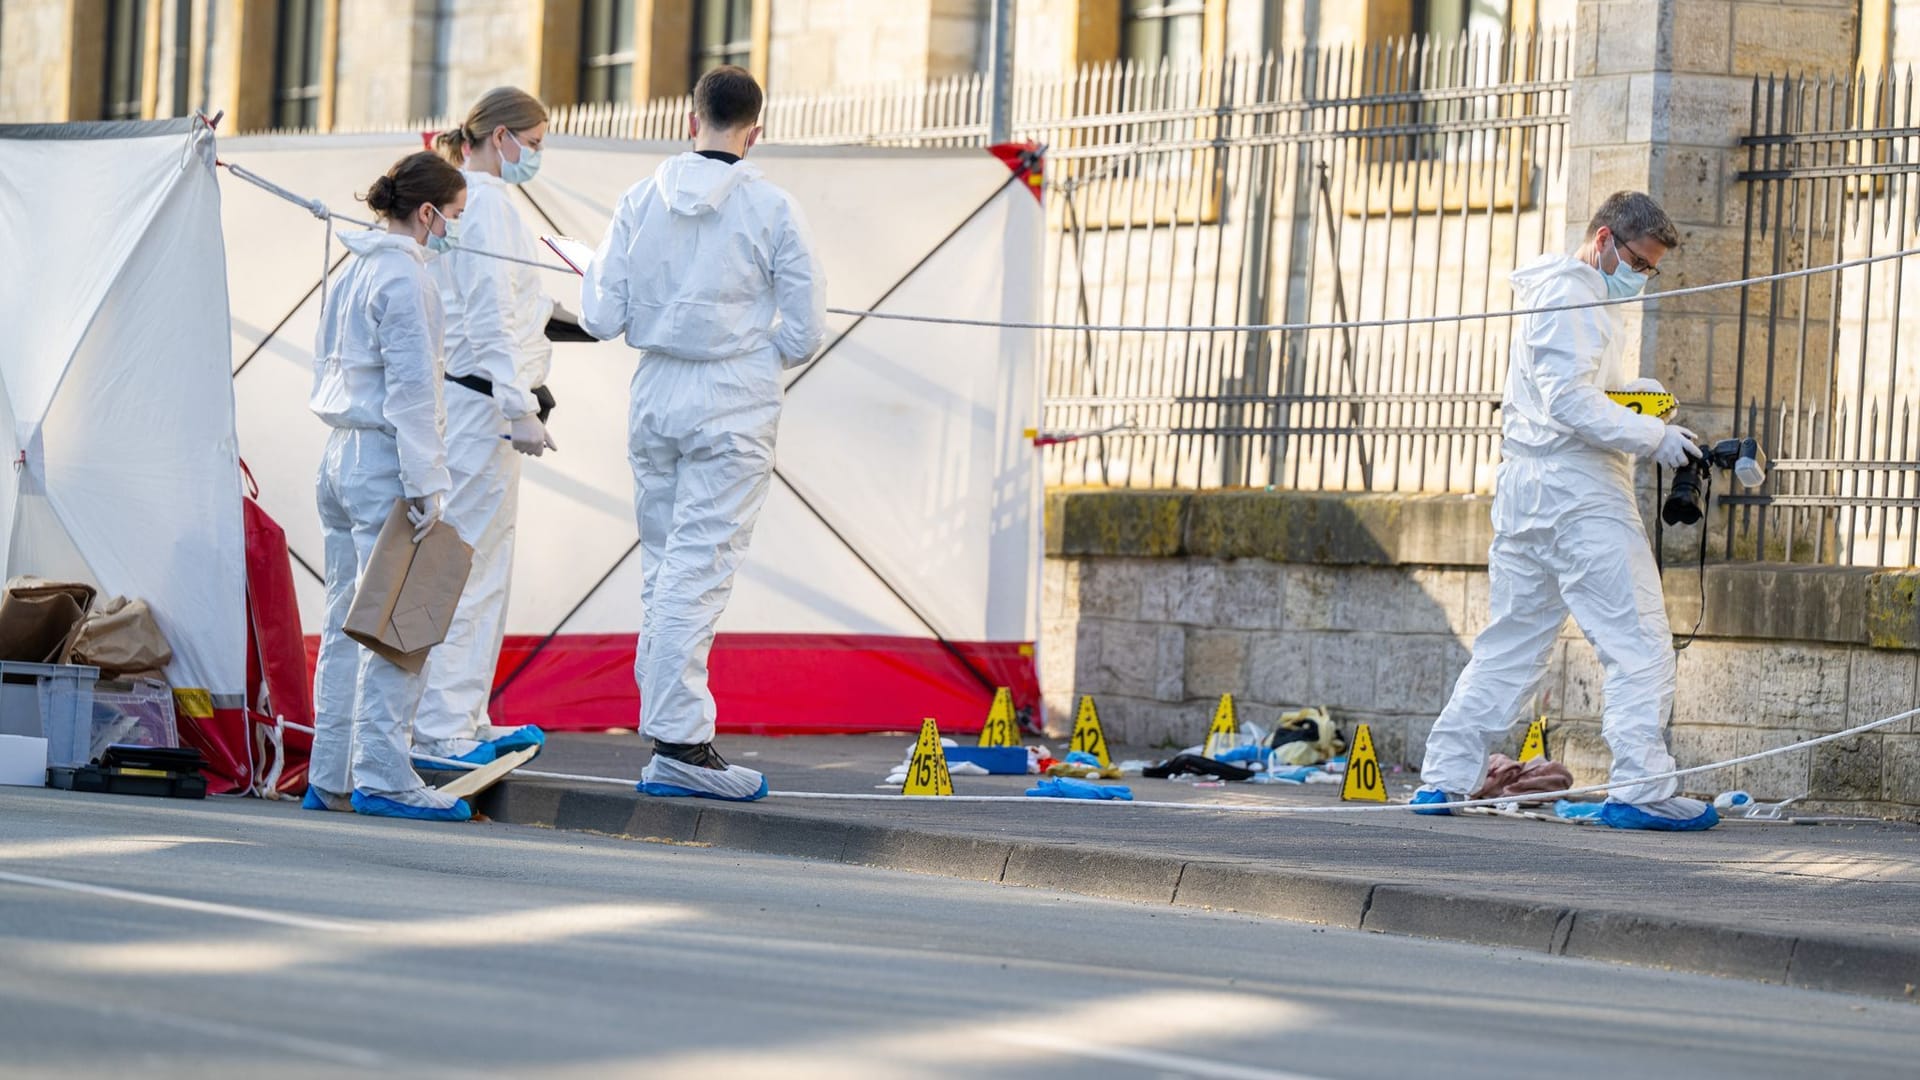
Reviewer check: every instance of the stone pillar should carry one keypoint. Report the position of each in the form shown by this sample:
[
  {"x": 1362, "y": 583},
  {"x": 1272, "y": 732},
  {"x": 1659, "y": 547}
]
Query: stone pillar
[{"x": 1662, "y": 95}]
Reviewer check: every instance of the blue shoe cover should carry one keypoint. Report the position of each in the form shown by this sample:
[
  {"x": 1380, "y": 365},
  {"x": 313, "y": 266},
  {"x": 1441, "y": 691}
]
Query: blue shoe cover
[
  {"x": 1621, "y": 815},
  {"x": 380, "y": 806},
  {"x": 1568, "y": 810},
  {"x": 317, "y": 800},
  {"x": 670, "y": 778},
  {"x": 479, "y": 755},
  {"x": 1428, "y": 796},
  {"x": 675, "y": 791},
  {"x": 518, "y": 739},
  {"x": 1066, "y": 787}
]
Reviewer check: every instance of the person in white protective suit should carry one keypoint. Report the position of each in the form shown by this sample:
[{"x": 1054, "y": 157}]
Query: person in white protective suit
[
  {"x": 708, "y": 270},
  {"x": 377, "y": 384},
  {"x": 497, "y": 361},
  {"x": 1567, "y": 530}
]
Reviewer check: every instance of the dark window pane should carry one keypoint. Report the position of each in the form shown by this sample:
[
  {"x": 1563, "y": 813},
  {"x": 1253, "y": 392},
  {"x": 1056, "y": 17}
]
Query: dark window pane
[
  {"x": 297, "y": 77},
  {"x": 1183, "y": 45},
  {"x": 622, "y": 37},
  {"x": 125, "y": 53},
  {"x": 1143, "y": 41},
  {"x": 606, "y": 50}
]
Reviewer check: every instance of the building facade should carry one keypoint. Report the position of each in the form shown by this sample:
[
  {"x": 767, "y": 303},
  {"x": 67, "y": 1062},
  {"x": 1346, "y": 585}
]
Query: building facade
[{"x": 340, "y": 64}]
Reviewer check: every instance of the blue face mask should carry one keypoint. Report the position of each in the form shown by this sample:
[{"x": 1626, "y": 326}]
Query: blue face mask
[
  {"x": 519, "y": 172},
  {"x": 1625, "y": 281},
  {"x": 438, "y": 244}
]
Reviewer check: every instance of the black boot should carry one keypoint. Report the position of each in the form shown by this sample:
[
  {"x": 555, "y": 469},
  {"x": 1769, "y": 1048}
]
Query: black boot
[{"x": 701, "y": 755}]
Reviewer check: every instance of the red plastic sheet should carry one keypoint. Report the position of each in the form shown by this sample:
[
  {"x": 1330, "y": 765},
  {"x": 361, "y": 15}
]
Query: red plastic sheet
[{"x": 772, "y": 684}]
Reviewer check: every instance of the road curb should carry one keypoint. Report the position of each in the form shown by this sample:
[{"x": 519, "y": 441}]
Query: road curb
[{"x": 1843, "y": 963}]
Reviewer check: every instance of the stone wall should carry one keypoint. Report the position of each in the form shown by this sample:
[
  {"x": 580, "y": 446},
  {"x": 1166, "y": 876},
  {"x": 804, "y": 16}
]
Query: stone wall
[
  {"x": 1158, "y": 604},
  {"x": 33, "y": 60}
]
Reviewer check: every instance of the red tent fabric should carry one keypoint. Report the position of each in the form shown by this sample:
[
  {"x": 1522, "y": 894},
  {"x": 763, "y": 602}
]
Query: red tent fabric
[{"x": 279, "y": 686}]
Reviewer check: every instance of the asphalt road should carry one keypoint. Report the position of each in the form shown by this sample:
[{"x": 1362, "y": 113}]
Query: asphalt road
[{"x": 235, "y": 938}]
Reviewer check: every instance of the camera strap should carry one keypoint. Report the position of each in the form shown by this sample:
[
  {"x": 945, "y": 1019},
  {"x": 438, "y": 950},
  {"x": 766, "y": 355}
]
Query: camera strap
[{"x": 1659, "y": 546}]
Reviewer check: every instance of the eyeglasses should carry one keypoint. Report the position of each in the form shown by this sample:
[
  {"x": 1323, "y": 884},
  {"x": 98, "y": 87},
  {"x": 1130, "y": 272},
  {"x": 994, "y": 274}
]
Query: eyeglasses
[{"x": 1639, "y": 262}]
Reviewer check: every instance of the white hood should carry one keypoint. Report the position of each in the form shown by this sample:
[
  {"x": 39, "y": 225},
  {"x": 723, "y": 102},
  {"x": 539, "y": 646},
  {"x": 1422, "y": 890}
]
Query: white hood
[
  {"x": 693, "y": 185},
  {"x": 365, "y": 242},
  {"x": 1529, "y": 279}
]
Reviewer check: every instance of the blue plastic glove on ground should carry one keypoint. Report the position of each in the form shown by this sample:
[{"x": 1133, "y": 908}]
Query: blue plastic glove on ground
[
  {"x": 1065, "y": 787},
  {"x": 1081, "y": 757}
]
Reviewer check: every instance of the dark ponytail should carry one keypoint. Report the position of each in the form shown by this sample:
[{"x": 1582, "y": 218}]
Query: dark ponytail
[{"x": 414, "y": 181}]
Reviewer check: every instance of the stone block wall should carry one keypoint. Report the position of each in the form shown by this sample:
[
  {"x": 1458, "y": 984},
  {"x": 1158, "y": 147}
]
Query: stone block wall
[
  {"x": 34, "y": 66},
  {"x": 1157, "y": 604}
]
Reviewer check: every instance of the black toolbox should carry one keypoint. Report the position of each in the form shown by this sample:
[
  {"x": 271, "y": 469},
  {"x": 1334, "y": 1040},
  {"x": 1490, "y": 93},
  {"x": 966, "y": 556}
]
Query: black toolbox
[{"x": 137, "y": 770}]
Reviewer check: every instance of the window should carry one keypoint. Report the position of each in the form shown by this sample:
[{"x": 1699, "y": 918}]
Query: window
[
  {"x": 1443, "y": 19},
  {"x": 722, "y": 34},
  {"x": 126, "y": 46},
  {"x": 296, "y": 64},
  {"x": 606, "y": 50},
  {"x": 1171, "y": 30}
]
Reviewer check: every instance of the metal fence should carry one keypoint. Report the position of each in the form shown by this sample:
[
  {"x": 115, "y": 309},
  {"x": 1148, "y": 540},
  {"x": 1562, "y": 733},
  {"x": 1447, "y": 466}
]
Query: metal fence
[
  {"x": 1832, "y": 173},
  {"x": 1402, "y": 179}
]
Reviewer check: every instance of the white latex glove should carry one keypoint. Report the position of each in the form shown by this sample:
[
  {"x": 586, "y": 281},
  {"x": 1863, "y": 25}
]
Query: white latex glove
[
  {"x": 1677, "y": 447},
  {"x": 530, "y": 436},
  {"x": 425, "y": 512}
]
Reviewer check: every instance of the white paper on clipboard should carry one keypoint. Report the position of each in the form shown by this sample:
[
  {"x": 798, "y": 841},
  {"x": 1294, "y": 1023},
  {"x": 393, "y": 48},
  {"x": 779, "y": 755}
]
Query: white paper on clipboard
[{"x": 575, "y": 254}]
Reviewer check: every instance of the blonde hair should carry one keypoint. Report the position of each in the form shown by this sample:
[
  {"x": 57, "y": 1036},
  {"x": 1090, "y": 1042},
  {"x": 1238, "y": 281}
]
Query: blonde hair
[{"x": 507, "y": 106}]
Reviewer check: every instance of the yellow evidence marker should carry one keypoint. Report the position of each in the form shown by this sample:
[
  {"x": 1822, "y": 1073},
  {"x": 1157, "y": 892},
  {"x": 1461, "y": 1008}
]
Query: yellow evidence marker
[
  {"x": 1087, "y": 736},
  {"x": 1650, "y": 404},
  {"x": 1224, "y": 732},
  {"x": 1535, "y": 745},
  {"x": 1363, "y": 782},
  {"x": 927, "y": 773},
  {"x": 1001, "y": 729}
]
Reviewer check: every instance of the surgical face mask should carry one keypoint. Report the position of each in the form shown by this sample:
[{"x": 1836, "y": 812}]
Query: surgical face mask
[
  {"x": 519, "y": 172},
  {"x": 438, "y": 244},
  {"x": 1625, "y": 281}
]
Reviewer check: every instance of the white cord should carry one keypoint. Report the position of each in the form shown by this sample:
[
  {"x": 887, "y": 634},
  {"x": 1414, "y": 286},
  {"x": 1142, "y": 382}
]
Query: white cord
[
  {"x": 1373, "y": 324},
  {"x": 319, "y": 210}
]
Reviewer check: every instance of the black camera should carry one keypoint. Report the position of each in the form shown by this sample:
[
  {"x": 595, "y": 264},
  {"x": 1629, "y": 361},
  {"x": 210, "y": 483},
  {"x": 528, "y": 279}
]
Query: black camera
[{"x": 1686, "y": 504}]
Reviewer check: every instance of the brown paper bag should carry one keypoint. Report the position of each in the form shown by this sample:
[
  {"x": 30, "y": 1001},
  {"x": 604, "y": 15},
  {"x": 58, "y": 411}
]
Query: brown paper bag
[
  {"x": 406, "y": 597},
  {"x": 122, "y": 639},
  {"x": 39, "y": 619}
]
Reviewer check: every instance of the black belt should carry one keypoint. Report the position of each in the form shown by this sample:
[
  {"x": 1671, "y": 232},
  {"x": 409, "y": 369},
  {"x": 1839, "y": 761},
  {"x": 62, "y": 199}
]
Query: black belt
[{"x": 541, "y": 395}]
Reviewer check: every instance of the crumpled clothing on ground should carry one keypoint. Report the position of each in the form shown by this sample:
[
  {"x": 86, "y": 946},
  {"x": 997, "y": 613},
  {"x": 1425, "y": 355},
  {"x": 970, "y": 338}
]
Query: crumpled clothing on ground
[
  {"x": 1083, "y": 772},
  {"x": 1194, "y": 763},
  {"x": 1306, "y": 737},
  {"x": 1508, "y": 778},
  {"x": 1068, "y": 788}
]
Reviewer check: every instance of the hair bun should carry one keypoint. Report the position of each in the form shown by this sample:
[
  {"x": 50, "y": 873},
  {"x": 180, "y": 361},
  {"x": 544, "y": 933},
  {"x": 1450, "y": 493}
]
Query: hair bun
[{"x": 380, "y": 195}]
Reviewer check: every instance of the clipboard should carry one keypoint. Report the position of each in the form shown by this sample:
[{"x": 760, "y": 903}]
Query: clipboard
[{"x": 575, "y": 254}]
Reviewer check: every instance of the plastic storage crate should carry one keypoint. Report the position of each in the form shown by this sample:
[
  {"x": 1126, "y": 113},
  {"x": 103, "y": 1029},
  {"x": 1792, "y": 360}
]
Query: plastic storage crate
[
  {"x": 136, "y": 712},
  {"x": 52, "y": 702}
]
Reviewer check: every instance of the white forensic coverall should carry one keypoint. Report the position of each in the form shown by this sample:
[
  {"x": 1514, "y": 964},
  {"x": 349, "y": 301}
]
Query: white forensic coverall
[
  {"x": 1567, "y": 538},
  {"x": 709, "y": 271},
  {"x": 496, "y": 330},
  {"x": 376, "y": 383}
]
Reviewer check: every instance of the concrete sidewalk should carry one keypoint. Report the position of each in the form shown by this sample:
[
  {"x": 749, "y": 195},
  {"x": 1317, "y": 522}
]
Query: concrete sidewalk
[{"x": 1827, "y": 906}]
